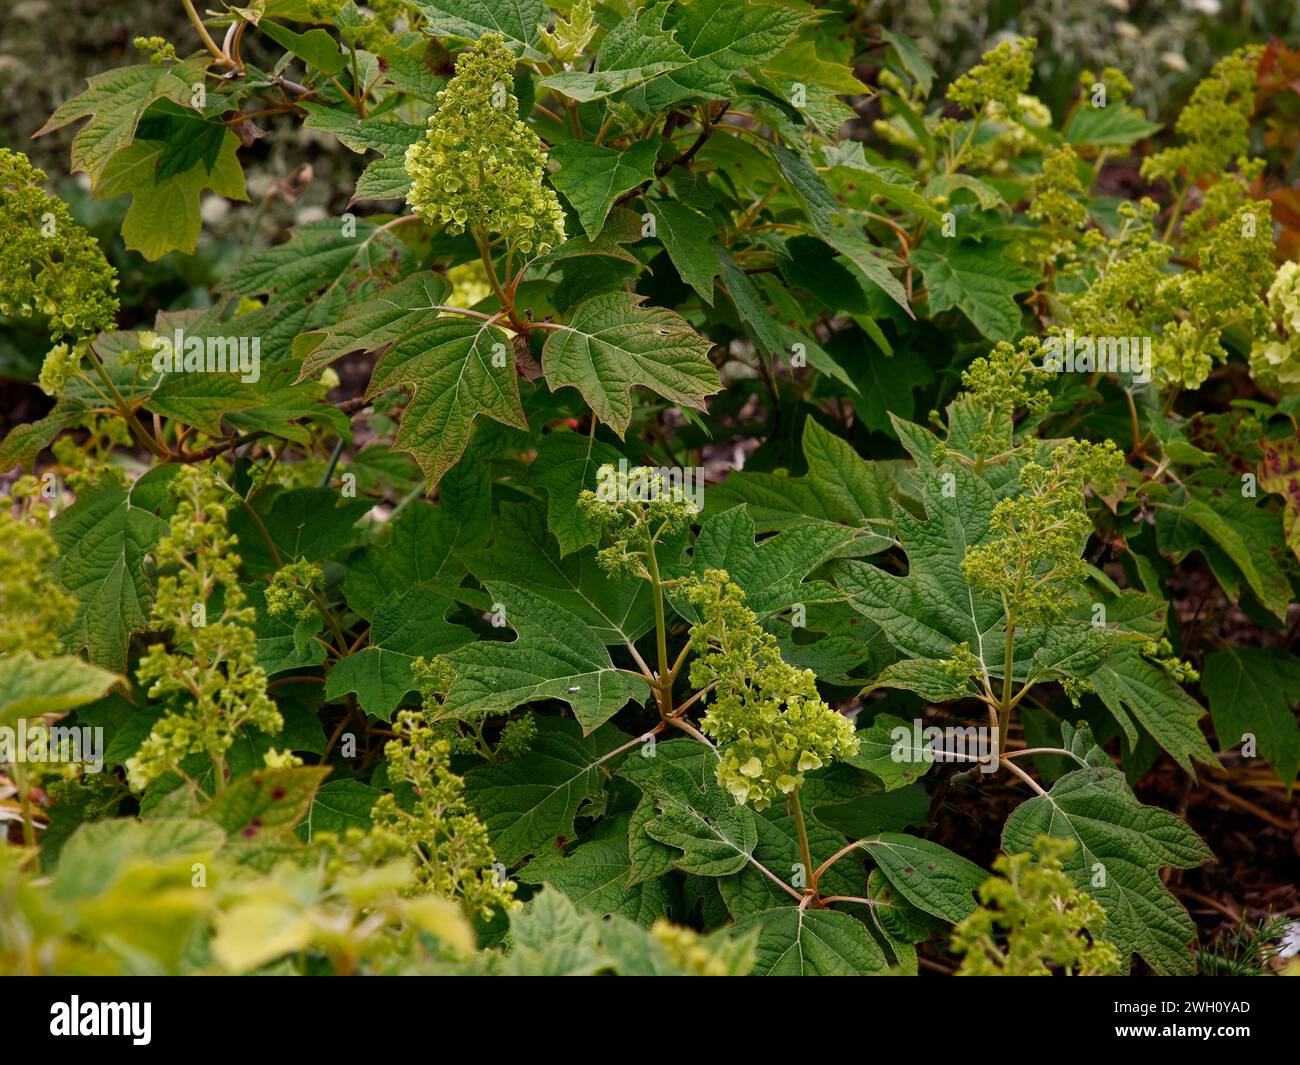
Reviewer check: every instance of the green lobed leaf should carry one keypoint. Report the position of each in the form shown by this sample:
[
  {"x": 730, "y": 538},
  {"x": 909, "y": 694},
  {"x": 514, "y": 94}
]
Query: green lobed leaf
[
  {"x": 614, "y": 342},
  {"x": 1122, "y": 845}
]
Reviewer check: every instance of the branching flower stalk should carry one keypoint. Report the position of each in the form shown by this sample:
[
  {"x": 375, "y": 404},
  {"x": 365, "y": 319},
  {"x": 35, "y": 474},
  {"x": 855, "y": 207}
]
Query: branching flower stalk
[
  {"x": 638, "y": 510},
  {"x": 214, "y": 687},
  {"x": 1032, "y": 563}
]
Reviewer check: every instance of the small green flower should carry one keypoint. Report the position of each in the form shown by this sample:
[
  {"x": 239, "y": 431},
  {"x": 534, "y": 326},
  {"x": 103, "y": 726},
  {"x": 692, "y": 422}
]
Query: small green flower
[
  {"x": 1215, "y": 124},
  {"x": 290, "y": 592},
  {"x": 36, "y": 608},
  {"x": 454, "y": 856},
  {"x": 1009, "y": 378},
  {"x": 1055, "y": 191},
  {"x": 1032, "y": 559},
  {"x": 159, "y": 48},
  {"x": 637, "y": 507}
]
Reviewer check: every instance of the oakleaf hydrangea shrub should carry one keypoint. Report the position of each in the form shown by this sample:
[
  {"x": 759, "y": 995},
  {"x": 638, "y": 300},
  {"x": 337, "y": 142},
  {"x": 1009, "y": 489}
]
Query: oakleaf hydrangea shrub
[{"x": 712, "y": 495}]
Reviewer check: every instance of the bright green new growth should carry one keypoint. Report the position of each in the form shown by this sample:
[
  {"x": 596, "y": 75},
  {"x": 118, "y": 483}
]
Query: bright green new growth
[
  {"x": 571, "y": 35},
  {"x": 1055, "y": 191},
  {"x": 768, "y": 713},
  {"x": 1234, "y": 265},
  {"x": 212, "y": 684},
  {"x": 1032, "y": 560},
  {"x": 49, "y": 265},
  {"x": 1033, "y": 920},
  {"x": 1000, "y": 384},
  {"x": 480, "y": 168},
  {"x": 36, "y": 608}
]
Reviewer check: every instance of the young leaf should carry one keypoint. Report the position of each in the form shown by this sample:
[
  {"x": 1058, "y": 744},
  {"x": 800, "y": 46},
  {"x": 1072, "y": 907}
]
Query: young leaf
[
  {"x": 1253, "y": 691},
  {"x": 634, "y": 51}
]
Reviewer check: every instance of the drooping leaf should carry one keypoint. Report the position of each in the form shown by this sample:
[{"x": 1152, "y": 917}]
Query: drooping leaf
[
  {"x": 116, "y": 101},
  {"x": 688, "y": 238},
  {"x": 804, "y": 942},
  {"x": 103, "y": 539},
  {"x": 1254, "y": 691},
  {"x": 931, "y": 877},
  {"x": 32, "y": 687},
  {"x": 592, "y": 176}
]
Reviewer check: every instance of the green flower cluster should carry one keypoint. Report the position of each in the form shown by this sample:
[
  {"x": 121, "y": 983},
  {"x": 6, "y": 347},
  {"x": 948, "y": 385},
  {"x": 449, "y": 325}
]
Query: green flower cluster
[
  {"x": 1275, "y": 359},
  {"x": 1002, "y": 76},
  {"x": 636, "y": 507},
  {"x": 36, "y": 608},
  {"x": 774, "y": 725},
  {"x": 159, "y": 48},
  {"x": 1118, "y": 87},
  {"x": 464, "y": 733},
  {"x": 1033, "y": 920},
  {"x": 290, "y": 593},
  {"x": 692, "y": 954},
  {"x": 1032, "y": 560},
  {"x": 89, "y": 462},
  {"x": 454, "y": 856},
  {"x": 480, "y": 168},
  {"x": 214, "y": 669},
  {"x": 1055, "y": 191},
  {"x": 49, "y": 265},
  {"x": 1009, "y": 378},
  {"x": 1234, "y": 265},
  {"x": 1215, "y": 124},
  {"x": 1132, "y": 294},
  {"x": 1123, "y": 298}
]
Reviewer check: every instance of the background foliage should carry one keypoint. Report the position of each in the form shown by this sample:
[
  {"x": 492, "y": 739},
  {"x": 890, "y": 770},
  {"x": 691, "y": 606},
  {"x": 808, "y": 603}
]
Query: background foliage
[{"x": 416, "y": 649}]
